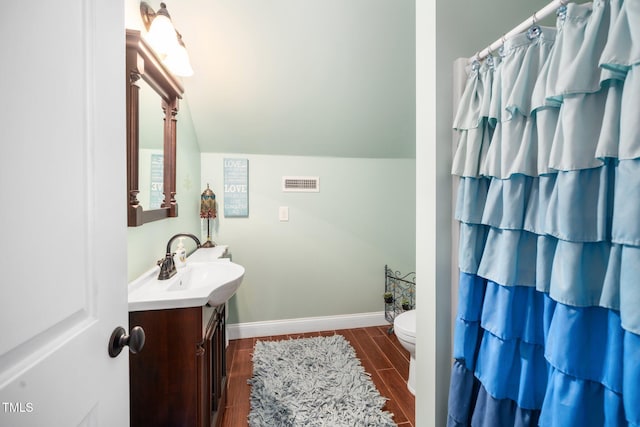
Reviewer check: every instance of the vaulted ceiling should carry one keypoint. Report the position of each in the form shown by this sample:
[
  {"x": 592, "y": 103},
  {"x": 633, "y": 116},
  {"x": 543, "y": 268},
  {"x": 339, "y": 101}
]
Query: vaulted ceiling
[{"x": 301, "y": 77}]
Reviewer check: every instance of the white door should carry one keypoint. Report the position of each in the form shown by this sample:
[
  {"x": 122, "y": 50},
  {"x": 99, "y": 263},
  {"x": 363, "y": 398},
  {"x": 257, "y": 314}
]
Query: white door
[{"x": 62, "y": 216}]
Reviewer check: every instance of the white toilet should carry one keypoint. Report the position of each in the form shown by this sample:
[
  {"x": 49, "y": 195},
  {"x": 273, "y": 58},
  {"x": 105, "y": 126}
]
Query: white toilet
[{"x": 404, "y": 326}]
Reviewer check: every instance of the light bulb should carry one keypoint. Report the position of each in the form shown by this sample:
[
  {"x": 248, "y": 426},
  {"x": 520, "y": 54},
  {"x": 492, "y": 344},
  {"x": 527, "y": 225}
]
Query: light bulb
[{"x": 162, "y": 35}]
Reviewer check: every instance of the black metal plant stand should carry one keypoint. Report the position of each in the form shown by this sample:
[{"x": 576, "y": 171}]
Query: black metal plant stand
[{"x": 399, "y": 293}]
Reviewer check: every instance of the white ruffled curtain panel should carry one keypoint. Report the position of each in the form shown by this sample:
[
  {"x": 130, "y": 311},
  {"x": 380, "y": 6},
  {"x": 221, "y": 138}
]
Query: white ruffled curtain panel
[{"x": 548, "y": 324}]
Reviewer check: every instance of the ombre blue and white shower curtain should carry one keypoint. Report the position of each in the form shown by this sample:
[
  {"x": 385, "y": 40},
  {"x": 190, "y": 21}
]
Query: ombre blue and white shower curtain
[{"x": 548, "y": 323}]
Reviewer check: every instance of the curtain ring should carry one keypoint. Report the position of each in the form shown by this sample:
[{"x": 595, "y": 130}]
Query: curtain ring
[
  {"x": 490, "y": 58},
  {"x": 535, "y": 31},
  {"x": 501, "y": 50},
  {"x": 561, "y": 13},
  {"x": 475, "y": 63}
]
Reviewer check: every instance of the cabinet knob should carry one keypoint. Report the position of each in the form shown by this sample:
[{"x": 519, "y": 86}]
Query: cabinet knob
[{"x": 119, "y": 339}]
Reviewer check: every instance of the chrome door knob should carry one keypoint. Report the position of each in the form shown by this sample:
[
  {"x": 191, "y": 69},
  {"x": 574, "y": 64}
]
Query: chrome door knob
[{"x": 119, "y": 339}]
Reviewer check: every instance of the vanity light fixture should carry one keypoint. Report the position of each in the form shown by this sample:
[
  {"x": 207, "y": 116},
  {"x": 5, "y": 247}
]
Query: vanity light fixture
[
  {"x": 177, "y": 60},
  {"x": 165, "y": 40}
]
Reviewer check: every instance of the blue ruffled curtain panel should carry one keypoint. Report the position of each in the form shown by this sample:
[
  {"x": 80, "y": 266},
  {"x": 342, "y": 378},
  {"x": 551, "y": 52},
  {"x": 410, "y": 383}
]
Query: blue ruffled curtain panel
[{"x": 548, "y": 323}]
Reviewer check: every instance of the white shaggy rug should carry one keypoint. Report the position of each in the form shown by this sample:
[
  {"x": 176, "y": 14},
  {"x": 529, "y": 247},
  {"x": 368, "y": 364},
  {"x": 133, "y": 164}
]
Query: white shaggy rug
[{"x": 313, "y": 382}]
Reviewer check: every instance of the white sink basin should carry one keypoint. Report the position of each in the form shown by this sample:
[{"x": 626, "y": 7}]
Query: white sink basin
[
  {"x": 197, "y": 284},
  {"x": 208, "y": 254}
]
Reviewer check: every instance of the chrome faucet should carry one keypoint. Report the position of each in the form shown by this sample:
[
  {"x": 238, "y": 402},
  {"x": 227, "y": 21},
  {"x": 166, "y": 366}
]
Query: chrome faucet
[{"x": 167, "y": 266}]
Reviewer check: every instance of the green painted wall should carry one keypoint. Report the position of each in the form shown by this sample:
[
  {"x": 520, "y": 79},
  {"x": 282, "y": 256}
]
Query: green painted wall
[
  {"x": 328, "y": 78},
  {"x": 329, "y": 258},
  {"x": 147, "y": 243}
]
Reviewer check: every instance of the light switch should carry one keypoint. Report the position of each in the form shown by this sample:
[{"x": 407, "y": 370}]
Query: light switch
[{"x": 283, "y": 213}]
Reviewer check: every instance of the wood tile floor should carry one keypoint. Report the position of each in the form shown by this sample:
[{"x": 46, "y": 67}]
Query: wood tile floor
[{"x": 380, "y": 353}]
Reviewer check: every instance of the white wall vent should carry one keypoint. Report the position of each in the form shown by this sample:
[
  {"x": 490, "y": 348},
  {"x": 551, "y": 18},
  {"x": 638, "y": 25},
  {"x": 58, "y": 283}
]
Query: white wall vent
[{"x": 301, "y": 184}]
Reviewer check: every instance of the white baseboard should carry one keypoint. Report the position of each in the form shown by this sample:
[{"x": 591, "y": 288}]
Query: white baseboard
[{"x": 305, "y": 324}]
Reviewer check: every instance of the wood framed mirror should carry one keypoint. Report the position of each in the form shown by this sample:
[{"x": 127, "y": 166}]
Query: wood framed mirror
[{"x": 149, "y": 80}]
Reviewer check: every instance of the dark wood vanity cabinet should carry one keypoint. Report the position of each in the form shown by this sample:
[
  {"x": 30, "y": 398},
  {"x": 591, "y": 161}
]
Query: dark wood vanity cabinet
[{"x": 179, "y": 377}]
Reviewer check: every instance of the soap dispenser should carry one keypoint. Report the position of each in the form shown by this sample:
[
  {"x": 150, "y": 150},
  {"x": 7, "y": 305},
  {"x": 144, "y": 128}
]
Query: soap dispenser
[{"x": 180, "y": 257}]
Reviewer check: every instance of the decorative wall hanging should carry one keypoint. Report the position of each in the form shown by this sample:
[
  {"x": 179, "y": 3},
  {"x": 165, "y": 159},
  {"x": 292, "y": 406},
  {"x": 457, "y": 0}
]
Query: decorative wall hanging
[{"x": 236, "y": 188}]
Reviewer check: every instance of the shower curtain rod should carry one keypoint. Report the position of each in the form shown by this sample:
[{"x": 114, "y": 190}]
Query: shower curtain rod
[{"x": 525, "y": 25}]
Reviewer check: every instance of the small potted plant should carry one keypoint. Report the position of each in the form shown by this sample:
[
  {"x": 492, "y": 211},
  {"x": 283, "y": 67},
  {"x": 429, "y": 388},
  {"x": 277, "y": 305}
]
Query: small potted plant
[
  {"x": 388, "y": 297},
  {"x": 406, "y": 305}
]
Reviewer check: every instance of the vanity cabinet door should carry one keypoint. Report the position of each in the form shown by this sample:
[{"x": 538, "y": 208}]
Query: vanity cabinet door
[
  {"x": 164, "y": 376},
  {"x": 204, "y": 379},
  {"x": 219, "y": 364},
  {"x": 213, "y": 396}
]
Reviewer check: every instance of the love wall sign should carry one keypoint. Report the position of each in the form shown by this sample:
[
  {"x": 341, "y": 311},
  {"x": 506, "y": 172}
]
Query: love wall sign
[{"x": 236, "y": 188}]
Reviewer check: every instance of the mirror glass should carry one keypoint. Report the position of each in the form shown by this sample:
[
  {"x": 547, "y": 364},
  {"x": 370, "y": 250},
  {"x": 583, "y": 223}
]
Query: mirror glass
[{"x": 151, "y": 148}]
